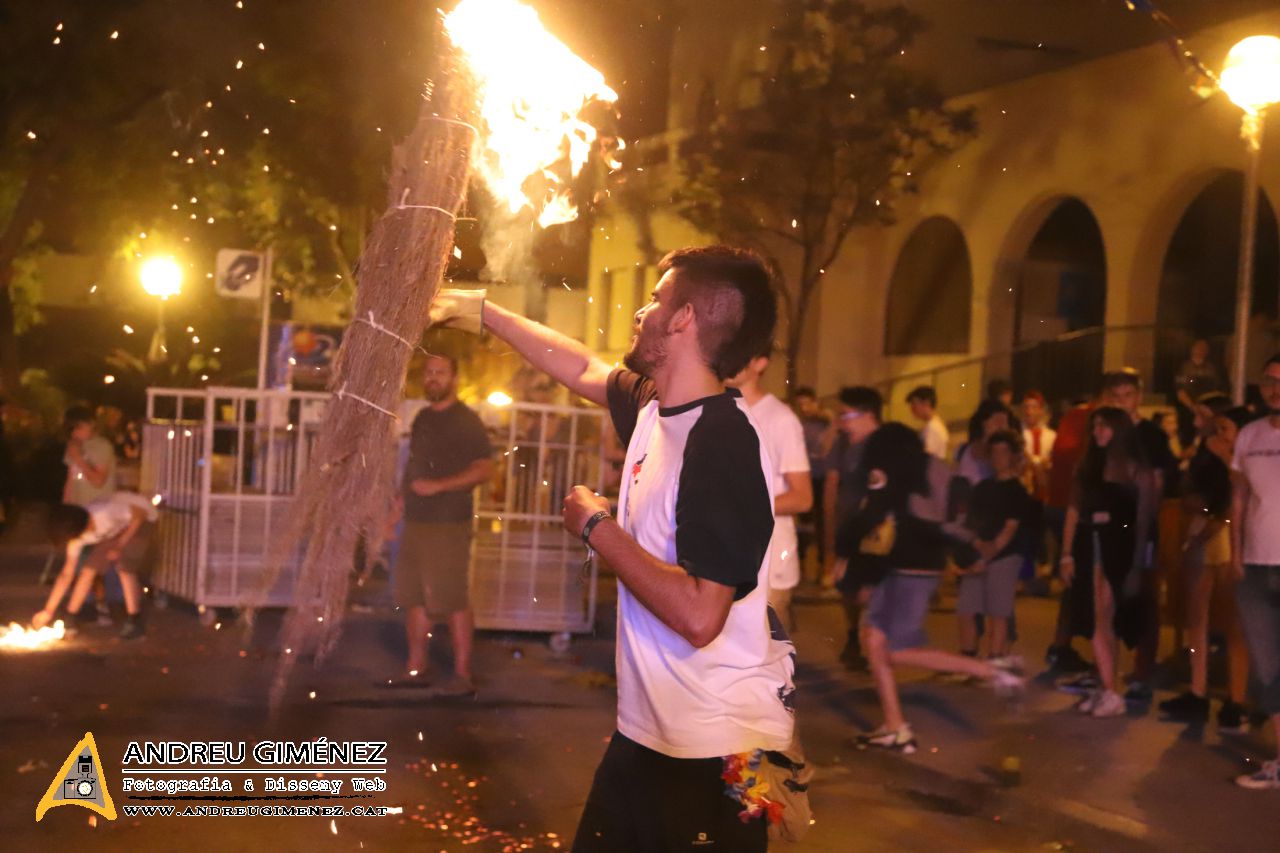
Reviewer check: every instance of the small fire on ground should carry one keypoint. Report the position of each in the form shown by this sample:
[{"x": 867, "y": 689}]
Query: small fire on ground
[{"x": 19, "y": 638}]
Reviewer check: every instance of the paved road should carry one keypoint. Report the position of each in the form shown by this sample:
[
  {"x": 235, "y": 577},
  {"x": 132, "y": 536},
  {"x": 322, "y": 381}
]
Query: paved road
[{"x": 512, "y": 766}]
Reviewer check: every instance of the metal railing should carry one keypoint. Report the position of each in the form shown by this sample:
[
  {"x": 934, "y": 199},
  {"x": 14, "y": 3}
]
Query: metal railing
[{"x": 1064, "y": 368}]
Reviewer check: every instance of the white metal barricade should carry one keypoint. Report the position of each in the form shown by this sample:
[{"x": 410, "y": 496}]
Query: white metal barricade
[
  {"x": 226, "y": 463},
  {"x": 526, "y": 571}
]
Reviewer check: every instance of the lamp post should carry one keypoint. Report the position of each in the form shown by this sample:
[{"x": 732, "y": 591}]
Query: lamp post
[
  {"x": 162, "y": 278},
  {"x": 1251, "y": 79}
]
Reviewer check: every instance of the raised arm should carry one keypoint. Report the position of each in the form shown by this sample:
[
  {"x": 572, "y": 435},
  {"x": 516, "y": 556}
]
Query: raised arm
[{"x": 567, "y": 361}]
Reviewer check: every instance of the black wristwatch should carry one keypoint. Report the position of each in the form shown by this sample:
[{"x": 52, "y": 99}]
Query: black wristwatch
[{"x": 591, "y": 525}]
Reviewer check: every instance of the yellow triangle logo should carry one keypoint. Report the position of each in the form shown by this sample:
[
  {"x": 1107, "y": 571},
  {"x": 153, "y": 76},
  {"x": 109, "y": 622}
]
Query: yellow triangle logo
[{"x": 79, "y": 783}]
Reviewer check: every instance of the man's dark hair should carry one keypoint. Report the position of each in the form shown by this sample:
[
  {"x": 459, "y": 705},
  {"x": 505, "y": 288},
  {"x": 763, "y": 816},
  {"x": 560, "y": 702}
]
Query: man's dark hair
[
  {"x": 732, "y": 297},
  {"x": 66, "y": 522},
  {"x": 861, "y": 398},
  {"x": 1216, "y": 402},
  {"x": 1275, "y": 359},
  {"x": 1113, "y": 379},
  {"x": 997, "y": 388},
  {"x": 805, "y": 391},
  {"x": 1239, "y": 415},
  {"x": 77, "y": 415},
  {"x": 986, "y": 409},
  {"x": 452, "y": 359},
  {"x": 924, "y": 394},
  {"x": 1007, "y": 437}
]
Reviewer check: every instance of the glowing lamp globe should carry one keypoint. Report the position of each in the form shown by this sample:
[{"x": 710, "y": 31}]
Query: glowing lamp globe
[
  {"x": 161, "y": 277},
  {"x": 1251, "y": 75},
  {"x": 500, "y": 399}
]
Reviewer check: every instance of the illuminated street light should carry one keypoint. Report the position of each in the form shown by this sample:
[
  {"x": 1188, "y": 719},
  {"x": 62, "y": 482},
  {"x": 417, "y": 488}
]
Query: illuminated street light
[
  {"x": 1251, "y": 74},
  {"x": 499, "y": 399},
  {"x": 1251, "y": 79},
  {"x": 161, "y": 277}
]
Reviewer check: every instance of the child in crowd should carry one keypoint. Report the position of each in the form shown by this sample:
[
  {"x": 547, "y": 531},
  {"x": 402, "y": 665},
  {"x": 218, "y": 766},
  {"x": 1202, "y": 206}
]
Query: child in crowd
[
  {"x": 997, "y": 512},
  {"x": 115, "y": 531}
]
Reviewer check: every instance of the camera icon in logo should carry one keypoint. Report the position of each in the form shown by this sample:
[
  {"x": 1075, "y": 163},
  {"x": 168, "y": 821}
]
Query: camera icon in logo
[{"x": 84, "y": 787}]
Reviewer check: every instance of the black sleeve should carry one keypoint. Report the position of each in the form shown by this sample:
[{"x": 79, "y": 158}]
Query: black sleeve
[
  {"x": 628, "y": 392},
  {"x": 723, "y": 517}
]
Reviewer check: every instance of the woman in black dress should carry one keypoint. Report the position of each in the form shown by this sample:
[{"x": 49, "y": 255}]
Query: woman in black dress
[{"x": 1107, "y": 524}]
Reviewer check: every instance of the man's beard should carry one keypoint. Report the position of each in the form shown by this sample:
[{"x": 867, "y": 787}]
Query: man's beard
[
  {"x": 435, "y": 394},
  {"x": 648, "y": 353}
]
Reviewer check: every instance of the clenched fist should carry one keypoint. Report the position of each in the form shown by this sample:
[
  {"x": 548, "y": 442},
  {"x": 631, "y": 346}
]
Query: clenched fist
[{"x": 579, "y": 505}]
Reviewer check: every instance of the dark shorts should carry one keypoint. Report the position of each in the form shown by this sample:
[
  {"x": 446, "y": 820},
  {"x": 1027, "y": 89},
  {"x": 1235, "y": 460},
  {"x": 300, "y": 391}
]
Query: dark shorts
[
  {"x": 432, "y": 566},
  {"x": 644, "y": 802},
  {"x": 898, "y": 607},
  {"x": 136, "y": 557}
]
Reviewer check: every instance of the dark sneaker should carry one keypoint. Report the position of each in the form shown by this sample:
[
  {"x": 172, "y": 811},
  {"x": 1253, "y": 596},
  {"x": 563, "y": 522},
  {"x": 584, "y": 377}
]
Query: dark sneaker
[
  {"x": 1080, "y": 685},
  {"x": 1186, "y": 707},
  {"x": 1266, "y": 778},
  {"x": 1069, "y": 661},
  {"x": 133, "y": 630},
  {"x": 1233, "y": 719},
  {"x": 1138, "y": 693},
  {"x": 901, "y": 740}
]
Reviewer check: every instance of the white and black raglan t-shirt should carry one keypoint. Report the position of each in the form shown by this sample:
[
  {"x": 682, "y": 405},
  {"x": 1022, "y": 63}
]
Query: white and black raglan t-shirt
[{"x": 695, "y": 494}]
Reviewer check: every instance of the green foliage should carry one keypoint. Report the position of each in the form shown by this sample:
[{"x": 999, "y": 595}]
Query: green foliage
[
  {"x": 839, "y": 131},
  {"x": 277, "y": 118}
]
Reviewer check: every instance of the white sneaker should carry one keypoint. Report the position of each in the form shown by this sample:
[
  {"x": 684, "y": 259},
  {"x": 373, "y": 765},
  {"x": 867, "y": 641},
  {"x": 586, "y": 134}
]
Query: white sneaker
[
  {"x": 1266, "y": 778},
  {"x": 1109, "y": 704},
  {"x": 1011, "y": 663},
  {"x": 1007, "y": 683}
]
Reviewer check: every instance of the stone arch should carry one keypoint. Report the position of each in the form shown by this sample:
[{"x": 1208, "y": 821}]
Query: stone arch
[
  {"x": 930, "y": 292},
  {"x": 1051, "y": 281},
  {"x": 1198, "y": 267}
]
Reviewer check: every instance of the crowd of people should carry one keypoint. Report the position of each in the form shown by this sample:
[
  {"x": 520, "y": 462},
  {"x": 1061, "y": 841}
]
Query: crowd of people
[
  {"x": 727, "y": 493},
  {"x": 1134, "y": 523}
]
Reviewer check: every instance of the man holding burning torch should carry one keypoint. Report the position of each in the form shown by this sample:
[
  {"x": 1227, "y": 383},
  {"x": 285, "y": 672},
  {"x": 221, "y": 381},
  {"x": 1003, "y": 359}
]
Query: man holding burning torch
[{"x": 703, "y": 682}]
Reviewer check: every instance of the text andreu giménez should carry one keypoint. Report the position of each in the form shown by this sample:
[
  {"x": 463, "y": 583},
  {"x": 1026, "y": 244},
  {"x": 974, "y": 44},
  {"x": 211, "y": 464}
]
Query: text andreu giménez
[{"x": 312, "y": 753}]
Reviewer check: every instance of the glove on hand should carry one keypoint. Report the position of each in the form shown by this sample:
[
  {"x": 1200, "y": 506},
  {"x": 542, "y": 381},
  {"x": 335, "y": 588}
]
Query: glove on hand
[{"x": 455, "y": 308}]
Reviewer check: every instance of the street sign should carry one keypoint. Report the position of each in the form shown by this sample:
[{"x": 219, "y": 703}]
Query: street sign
[{"x": 239, "y": 273}]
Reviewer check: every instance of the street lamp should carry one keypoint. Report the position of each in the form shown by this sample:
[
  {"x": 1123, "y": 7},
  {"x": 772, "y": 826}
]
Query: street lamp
[
  {"x": 162, "y": 278},
  {"x": 1251, "y": 79}
]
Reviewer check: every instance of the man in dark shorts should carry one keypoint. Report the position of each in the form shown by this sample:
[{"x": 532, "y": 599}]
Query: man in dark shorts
[
  {"x": 703, "y": 684},
  {"x": 449, "y": 455}
]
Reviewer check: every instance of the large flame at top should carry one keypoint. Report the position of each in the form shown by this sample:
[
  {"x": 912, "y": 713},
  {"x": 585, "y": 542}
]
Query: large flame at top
[{"x": 532, "y": 92}]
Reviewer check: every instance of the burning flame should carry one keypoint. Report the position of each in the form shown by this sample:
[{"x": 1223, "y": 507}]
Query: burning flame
[
  {"x": 16, "y": 637},
  {"x": 532, "y": 92}
]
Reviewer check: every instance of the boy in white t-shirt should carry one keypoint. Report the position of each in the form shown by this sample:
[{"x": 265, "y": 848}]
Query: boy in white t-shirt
[
  {"x": 117, "y": 529},
  {"x": 783, "y": 437},
  {"x": 1255, "y": 555}
]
